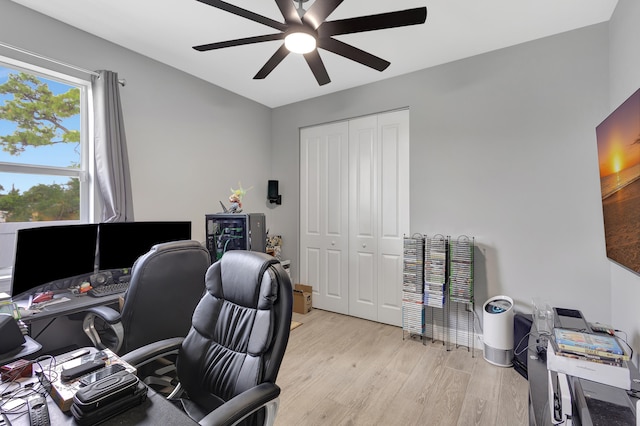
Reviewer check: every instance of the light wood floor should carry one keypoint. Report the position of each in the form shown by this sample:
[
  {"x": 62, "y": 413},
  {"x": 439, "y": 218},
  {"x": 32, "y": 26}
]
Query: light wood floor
[{"x": 340, "y": 370}]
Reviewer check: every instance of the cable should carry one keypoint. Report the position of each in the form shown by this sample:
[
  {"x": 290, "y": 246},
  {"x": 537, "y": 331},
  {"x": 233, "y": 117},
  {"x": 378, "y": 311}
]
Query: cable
[
  {"x": 515, "y": 352},
  {"x": 19, "y": 394},
  {"x": 625, "y": 342}
]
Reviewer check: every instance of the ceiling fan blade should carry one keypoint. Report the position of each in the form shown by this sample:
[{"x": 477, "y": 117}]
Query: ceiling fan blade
[
  {"x": 239, "y": 42},
  {"x": 245, "y": 14},
  {"x": 319, "y": 11},
  {"x": 401, "y": 18},
  {"x": 289, "y": 11},
  {"x": 353, "y": 53},
  {"x": 272, "y": 63},
  {"x": 317, "y": 67}
]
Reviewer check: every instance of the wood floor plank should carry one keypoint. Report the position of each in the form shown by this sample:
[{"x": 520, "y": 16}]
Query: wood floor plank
[
  {"x": 485, "y": 380},
  {"x": 480, "y": 405},
  {"x": 512, "y": 409},
  {"x": 478, "y": 411},
  {"x": 445, "y": 398},
  {"x": 341, "y": 370}
]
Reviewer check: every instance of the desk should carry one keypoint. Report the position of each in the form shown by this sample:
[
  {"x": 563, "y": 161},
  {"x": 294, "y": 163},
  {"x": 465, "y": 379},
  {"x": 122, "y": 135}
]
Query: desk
[
  {"x": 539, "y": 413},
  {"x": 75, "y": 304},
  {"x": 58, "y": 326},
  {"x": 155, "y": 410}
]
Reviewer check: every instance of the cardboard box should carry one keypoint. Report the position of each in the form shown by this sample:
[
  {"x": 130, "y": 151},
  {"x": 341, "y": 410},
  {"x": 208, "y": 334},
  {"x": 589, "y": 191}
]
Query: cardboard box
[{"x": 302, "y": 298}]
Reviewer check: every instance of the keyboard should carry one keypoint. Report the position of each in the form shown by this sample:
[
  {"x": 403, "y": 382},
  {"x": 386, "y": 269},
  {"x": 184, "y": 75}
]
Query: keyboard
[{"x": 108, "y": 290}]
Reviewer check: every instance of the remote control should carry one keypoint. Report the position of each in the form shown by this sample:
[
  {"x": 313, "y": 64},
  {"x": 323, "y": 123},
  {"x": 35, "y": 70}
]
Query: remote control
[
  {"x": 38, "y": 411},
  {"x": 72, "y": 355},
  {"x": 81, "y": 370}
]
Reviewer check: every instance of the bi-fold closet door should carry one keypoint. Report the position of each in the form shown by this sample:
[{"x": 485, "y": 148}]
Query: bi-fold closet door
[{"x": 354, "y": 211}]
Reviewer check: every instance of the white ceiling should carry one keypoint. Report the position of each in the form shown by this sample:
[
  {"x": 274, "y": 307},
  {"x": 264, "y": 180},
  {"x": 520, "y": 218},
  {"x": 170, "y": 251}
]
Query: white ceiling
[{"x": 166, "y": 30}]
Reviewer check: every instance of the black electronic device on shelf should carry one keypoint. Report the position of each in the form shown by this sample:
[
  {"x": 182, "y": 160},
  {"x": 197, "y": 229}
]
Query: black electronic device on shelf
[
  {"x": 235, "y": 231},
  {"x": 570, "y": 319}
]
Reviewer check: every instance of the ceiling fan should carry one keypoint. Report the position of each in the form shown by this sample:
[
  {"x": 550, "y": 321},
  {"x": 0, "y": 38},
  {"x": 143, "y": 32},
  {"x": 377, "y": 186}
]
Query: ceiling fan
[{"x": 306, "y": 31}]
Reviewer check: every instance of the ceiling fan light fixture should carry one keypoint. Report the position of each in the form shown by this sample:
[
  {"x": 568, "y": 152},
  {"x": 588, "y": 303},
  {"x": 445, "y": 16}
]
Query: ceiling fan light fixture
[
  {"x": 304, "y": 30},
  {"x": 300, "y": 42}
]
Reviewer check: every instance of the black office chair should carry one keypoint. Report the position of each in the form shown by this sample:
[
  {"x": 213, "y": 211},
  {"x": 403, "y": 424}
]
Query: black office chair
[
  {"x": 228, "y": 363},
  {"x": 165, "y": 287}
]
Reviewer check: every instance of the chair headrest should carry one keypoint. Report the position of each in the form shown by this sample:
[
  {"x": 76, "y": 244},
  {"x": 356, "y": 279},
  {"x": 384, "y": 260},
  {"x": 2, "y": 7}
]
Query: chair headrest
[
  {"x": 172, "y": 245},
  {"x": 238, "y": 278}
]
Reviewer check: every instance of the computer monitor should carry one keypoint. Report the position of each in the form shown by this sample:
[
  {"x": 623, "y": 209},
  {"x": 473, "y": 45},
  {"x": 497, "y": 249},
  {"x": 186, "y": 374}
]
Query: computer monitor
[
  {"x": 52, "y": 253},
  {"x": 121, "y": 243}
]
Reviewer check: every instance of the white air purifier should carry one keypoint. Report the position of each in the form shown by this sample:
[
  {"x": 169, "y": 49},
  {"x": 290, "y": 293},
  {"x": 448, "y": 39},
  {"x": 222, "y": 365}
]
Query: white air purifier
[{"x": 498, "y": 331}]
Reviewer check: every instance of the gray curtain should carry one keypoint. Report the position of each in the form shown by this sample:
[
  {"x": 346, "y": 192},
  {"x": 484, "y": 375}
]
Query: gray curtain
[{"x": 112, "y": 163}]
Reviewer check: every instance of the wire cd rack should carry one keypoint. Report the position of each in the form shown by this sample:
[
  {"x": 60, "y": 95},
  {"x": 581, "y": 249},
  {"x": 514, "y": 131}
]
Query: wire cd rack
[
  {"x": 413, "y": 285},
  {"x": 437, "y": 289},
  {"x": 461, "y": 289}
]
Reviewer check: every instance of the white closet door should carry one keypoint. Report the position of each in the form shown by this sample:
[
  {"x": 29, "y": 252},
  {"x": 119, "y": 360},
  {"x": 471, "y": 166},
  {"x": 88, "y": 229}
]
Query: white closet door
[
  {"x": 393, "y": 217},
  {"x": 324, "y": 216},
  {"x": 363, "y": 217},
  {"x": 378, "y": 214}
]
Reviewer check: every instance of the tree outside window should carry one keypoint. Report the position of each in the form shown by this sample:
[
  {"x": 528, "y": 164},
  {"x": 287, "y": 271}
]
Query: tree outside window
[{"x": 40, "y": 148}]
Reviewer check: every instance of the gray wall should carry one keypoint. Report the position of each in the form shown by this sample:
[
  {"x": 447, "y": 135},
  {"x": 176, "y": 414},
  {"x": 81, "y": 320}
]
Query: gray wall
[
  {"x": 503, "y": 148},
  {"x": 624, "y": 81},
  {"x": 189, "y": 142}
]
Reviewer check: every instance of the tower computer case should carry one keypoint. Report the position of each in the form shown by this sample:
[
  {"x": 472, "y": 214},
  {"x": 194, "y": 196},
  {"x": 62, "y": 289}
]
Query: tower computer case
[{"x": 235, "y": 231}]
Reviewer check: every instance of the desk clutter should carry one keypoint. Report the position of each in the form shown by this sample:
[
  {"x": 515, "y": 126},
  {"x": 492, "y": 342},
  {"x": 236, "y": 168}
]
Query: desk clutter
[
  {"x": 89, "y": 384},
  {"x": 98, "y": 285},
  {"x": 107, "y": 397},
  {"x": 579, "y": 372}
]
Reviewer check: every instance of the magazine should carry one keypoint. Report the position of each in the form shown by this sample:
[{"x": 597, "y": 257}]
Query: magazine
[
  {"x": 578, "y": 342},
  {"x": 616, "y": 362}
]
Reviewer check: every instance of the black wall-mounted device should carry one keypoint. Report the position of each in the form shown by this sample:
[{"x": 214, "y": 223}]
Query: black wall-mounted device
[{"x": 272, "y": 193}]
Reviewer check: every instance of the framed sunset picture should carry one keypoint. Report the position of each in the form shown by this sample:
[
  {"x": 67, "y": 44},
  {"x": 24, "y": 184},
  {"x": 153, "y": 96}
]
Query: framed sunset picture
[{"x": 618, "y": 138}]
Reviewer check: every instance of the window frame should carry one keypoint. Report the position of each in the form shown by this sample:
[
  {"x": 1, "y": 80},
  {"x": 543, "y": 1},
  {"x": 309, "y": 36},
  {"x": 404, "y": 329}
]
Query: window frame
[
  {"x": 89, "y": 203},
  {"x": 87, "y": 167}
]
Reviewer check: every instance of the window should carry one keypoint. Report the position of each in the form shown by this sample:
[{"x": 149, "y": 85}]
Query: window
[{"x": 44, "y": 150}]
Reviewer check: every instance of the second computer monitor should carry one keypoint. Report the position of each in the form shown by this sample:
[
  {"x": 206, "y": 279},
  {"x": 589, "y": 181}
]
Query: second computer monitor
[{"x": 121, "y": 243}]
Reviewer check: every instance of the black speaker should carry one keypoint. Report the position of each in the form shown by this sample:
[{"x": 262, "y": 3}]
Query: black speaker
[
  {"x": 272, "y": 192},
  {"x": 101, "y": 278},
  {"x": 12, "y": 337}
]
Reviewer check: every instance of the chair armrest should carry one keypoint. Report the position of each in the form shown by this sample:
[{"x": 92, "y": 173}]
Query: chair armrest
[
  {"x": 109, "y": 316},
  {"x": 242, "y": 405},
  {"x": 106, "y": 313},
  {"x": 152, "y": 351}
]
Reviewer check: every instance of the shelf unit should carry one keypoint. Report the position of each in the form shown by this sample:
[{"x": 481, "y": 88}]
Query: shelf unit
[
  {"x": 437, "y": 289},
  {"x": 461, "y": 289},
  {"x": 435, "y": 286},
  {"x": 412, "y": 286}
]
